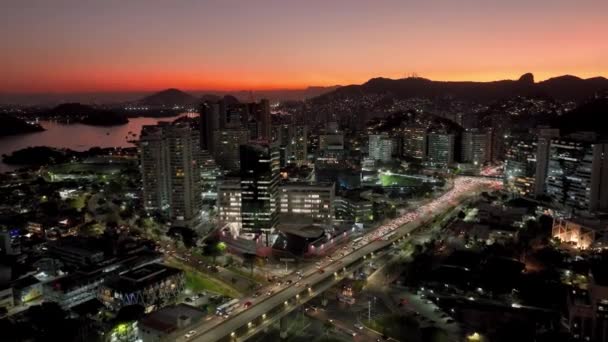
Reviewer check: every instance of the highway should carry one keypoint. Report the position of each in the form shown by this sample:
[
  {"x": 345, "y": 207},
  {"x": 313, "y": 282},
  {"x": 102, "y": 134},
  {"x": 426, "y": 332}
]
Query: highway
[{"x": 290, "y": 294}]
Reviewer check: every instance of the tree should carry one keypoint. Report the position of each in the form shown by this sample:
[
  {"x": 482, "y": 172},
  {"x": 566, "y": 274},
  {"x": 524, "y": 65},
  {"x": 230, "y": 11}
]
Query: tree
[
  {"x": 329, "y": 327},
  {"x": 249, "y": 259},
  {"x": 214, "y": 248}
]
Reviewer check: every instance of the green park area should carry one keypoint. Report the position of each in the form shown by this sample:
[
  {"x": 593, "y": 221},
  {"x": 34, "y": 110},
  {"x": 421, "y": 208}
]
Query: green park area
[
  {"x": 84, "y": 168},
  {"x": 198, "y": 281},
  {"x": 397, "y": 180}
]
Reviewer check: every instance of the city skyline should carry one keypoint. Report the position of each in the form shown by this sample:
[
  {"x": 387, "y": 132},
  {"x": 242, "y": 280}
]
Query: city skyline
[{"x": 72, "y": 46}]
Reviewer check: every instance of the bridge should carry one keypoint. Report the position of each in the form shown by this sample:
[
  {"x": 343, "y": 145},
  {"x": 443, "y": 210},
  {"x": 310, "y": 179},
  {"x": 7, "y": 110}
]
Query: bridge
[{"x": 268, "y": 309}]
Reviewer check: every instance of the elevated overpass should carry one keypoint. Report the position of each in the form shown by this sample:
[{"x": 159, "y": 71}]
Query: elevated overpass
[{"x": 268, "y": 309}]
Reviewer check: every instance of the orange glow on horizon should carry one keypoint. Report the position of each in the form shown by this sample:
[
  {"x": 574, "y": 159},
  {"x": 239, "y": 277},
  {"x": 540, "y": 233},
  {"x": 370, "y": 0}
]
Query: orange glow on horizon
[
  {"x": 108, "y": 82},
  {"x": 147, "y": 45}
]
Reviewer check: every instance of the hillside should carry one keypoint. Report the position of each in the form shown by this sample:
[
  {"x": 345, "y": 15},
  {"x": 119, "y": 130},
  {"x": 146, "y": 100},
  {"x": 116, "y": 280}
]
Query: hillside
[
  {"x": 168, "y": 98},
  {"x": 79, "y": 113},
  {"x": 10, "y": 125},
  {"x": 560, "y": 88},
  {"x": 587, "y": 117}
]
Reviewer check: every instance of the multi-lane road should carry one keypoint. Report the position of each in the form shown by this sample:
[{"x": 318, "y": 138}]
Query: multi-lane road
[{"x": 294, "y": 288}]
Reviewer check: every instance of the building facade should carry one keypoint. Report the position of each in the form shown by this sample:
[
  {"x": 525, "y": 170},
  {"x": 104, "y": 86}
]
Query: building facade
[
  {"x": 475, "y": 147},
  {"x": 414, "y": 142},
  {"x": 171, "y": 171},
  {"x": 440, "y": 148},
  {"x": 151, "y": 286},
  {"x": 227, "y": 144},
  {"x": 577, "y": 174},
  {"x": 299, "y": 144},
  {"x": 229, "y": 201},
  {"x": 381, "y": 147},
  {"x": 313, "y": 201},
  {"x": 520, "y": 165},
  {"x": 259, "y": 188}
]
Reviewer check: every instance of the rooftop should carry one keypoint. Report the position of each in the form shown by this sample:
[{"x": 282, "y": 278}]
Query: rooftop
[
  {"x": 142, "y": 277},
  {"x": 305, "y": 231},
  {"x": 167, "y": 319}
]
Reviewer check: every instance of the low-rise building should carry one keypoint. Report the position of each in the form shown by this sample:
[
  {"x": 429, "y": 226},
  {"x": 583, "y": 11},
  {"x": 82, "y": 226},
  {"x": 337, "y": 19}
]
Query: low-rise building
[
  {"x": 581, "y": 233},
  {"x": 152, "y": 286},
  {"x": 351, "y": 207},
  {"x": 161, "y": 325},
  {"x": 74, "y": 251}
]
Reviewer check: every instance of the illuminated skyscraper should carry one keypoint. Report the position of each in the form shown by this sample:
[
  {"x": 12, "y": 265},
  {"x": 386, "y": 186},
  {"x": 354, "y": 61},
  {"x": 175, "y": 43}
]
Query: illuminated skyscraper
[{"x": 259, "y": 188}]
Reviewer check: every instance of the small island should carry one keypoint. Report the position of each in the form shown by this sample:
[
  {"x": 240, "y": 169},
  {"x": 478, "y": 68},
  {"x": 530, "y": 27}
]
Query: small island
[
  {"x": 10, "y": 125},
  {"x": 79, "y": 113}
]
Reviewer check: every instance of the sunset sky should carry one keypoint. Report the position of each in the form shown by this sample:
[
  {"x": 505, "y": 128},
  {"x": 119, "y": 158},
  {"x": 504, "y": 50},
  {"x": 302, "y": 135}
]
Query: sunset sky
[{"x": 133, "y": 45}]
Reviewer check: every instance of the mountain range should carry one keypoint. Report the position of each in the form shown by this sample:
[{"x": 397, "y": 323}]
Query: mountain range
[
  {"x": 565, "y": 88},
  {"x": 171, "y": 97}
]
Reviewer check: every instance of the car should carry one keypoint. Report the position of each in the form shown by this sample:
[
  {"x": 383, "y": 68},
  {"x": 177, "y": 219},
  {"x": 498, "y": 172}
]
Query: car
[
  {"x": 289, "y": 282},
  {"x": 330, "y": 320},
  {"x": 321, "y": 271},
  {"x": 247, "y": 305},
  {"x": 190, "y": 333},
  {"x": 449, "y": 321},
  {"x": 298, "y": 284},
  {"x": 257, "y": 294},
  {"x": 269, "y": 293},
  {"x": 358, "y": 326},
  {"x": 313, "y": 308},
  {"x": 354, "y": 334}
]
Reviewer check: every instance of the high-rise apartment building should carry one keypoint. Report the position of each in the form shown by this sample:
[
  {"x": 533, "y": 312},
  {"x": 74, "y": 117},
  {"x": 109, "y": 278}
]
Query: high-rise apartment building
[
  {"x": 229, "y": 201},
  {"x": 577, "y": 173},
  {"x": 440, "y": 148},
  {"x": 520, "y": 164},
  {"x": 475, "y": 147},
  {"x": 299, "y": 144},
  {"x": 170, "y": 165},
  {"x": 261, "y": 112},
  {"x": 381, "y": 147},
  {"x": 209, "y": 124},
  {"x": 227, "y": 147},
  {"x": 414, "y": 142}
]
